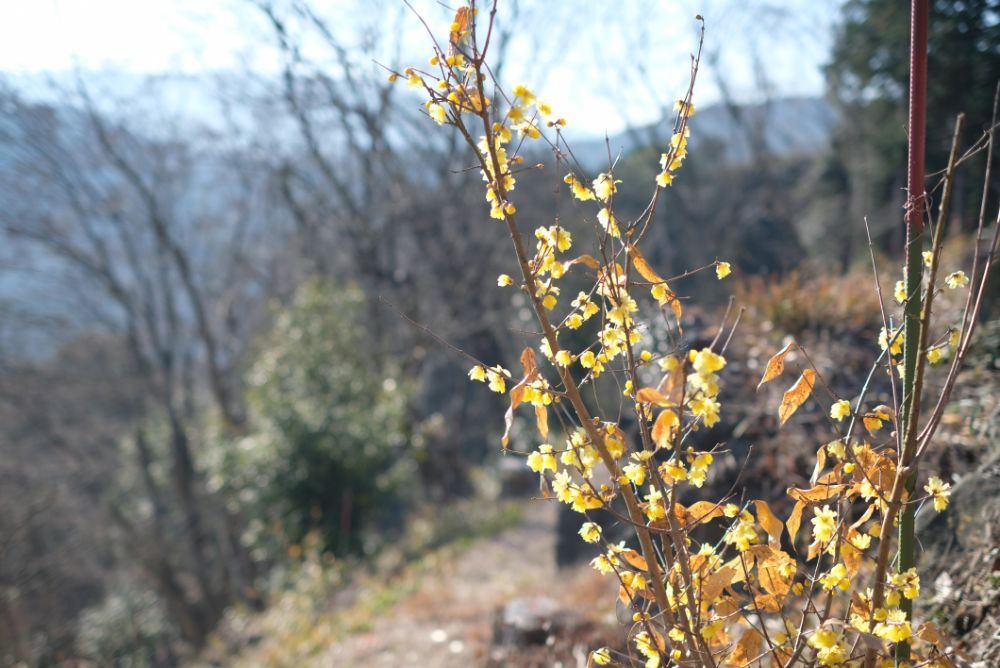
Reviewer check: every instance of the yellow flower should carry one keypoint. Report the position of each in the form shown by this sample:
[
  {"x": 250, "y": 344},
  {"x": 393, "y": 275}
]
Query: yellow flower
[
  {"x": 601, "y": 657},
  {"x": 496, "y": 379},
  {"x": 830, "y": 647},
  {"x": 564, "y": 358},
  {"x": 954, "y": 337},
  {"x": 895, "y": 627},
  {"x": 940, "y": 490},
  {"x": 634, "y": 473},
  {"x": 743, "y": 535},
  {"x": 608, "y": 222},
  {"x": 900, "y": 292},
  {"x": 836, "y": 448},
  {"x": 722, "y": 269},
  {"x": 731, "y": 510},
  {"x": 664, "y": 179},
  {"x": 840, "y": 409},
  {"x": 896, "y": 336},
  {"x": 934, "y": 355},
  {"x": 680, "y": 106},
  {"x": 580, "y": 191},
  {"x": 824, "y": 525},
  {"x": 542, "y": 459},
  {"x": 928, "y": 256},
  {"x": 836, "y": 579},
  {"x": 436, "y": 112},
  {"x": 956, "y": 279},
  {"x": 478, "y": 372},
  {"x": 524, "y": 93},
  {"x": 503, "y": 280},
  {"x": 604, "y": 186},
  {"x": 590, "y": 532},
  {"x": 908, "y": 582},
  {"x": 549, "y": 302},
  {"x": 705, "y": 361}
]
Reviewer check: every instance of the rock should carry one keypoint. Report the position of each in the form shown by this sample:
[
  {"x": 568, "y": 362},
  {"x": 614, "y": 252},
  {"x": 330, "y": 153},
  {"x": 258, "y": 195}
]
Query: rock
[
  {"x": 971, "y": 522},
  {"x": 528, "y": 621}
]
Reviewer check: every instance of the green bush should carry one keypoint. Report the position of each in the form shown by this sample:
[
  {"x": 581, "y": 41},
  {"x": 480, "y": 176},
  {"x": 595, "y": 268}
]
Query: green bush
[{"x": 325, "y": 448}]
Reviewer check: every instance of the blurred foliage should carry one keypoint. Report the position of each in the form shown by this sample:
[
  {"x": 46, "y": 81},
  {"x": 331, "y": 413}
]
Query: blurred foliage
[
  {"x": 869, "y": 73},
  {"x": 326, "y": 450},
  {"x": 127, "y": 629},
  {"x": 810, "y": 301}
]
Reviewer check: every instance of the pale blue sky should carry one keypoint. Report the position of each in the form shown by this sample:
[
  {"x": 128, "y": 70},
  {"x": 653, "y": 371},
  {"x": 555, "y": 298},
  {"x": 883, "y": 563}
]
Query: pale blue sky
[{"x": 581, "y": 55}]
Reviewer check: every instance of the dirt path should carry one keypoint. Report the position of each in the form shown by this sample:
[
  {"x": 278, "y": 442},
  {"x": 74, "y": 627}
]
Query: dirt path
[{"x": 447, "y": 621}]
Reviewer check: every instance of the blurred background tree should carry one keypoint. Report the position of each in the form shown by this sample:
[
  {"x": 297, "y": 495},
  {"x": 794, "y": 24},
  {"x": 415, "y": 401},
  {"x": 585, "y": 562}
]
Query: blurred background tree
[
  {"x": 329, "y": 448},
  {"x": 868, "y": 79}
]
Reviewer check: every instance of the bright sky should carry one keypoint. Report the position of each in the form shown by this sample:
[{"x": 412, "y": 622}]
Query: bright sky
[{"x": 577, "y": 53}]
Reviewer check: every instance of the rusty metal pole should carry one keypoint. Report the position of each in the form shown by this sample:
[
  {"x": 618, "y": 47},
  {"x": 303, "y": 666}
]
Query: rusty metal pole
[{"x": 915, "y": 207}]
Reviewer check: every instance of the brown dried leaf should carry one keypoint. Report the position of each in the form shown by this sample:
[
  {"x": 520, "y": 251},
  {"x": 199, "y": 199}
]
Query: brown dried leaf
[
  {"x": 815, "y": 494},
  {"x": 635, "y": 560},
  {"x": 698, "y": 513},
  {"x": 776, "y": 365},
  {"x": 643, "y": 267},
  {"x": 747, "y": 649},
  {"x": 663, "y": 429},
  {"x": 795, "y": 520},
  {"x": 649, "y": 395},
  {"x": 530, "y": 365},
  {"x": 672, "y": 385},
  {"x": 461, "y": 25},
  {"x": 820, "y": 464},
  {"x": 796, "y": 395},
  {"x": 851, "y": 556},
  {"x": 542, "y": 420},
  {"x": 647, "y": 272},
  {"x": 715, "y": 582},
  {"x": 587, "y": 260},
  {"x": 771, "y": 524}
]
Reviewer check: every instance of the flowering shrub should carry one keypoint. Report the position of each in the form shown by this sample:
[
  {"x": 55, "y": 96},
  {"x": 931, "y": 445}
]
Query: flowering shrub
[{"x": 816, "y": 587}]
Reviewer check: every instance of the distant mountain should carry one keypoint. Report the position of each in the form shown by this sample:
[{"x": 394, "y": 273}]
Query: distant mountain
[{"x": 787, "y": 126}]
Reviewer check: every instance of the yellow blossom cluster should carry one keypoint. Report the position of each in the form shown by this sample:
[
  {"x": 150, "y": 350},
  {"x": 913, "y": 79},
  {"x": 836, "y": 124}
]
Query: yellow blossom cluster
[{"x": 494, "y": 376}]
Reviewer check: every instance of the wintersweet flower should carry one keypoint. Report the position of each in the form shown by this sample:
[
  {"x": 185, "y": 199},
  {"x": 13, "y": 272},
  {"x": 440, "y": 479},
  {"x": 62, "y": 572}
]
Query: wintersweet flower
[
  {"x": 900, "y": 292},
  {"x": 836, "y": 579},
  {"x": 940, "y": 490},
  {"x": 956, "y": 279},
  {"x": 895, "y": 627},
  {"x": 542, "y": 459},
  {"x": 590, "y": 532},
  {"x": 840, "y": 409},
  {"x": 824, "y": 525}
]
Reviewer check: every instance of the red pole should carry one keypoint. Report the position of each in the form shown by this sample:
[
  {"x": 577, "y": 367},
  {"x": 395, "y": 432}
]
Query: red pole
[
  {"x": 915, "y": 203},
  {"x": 918, "y": 117}
]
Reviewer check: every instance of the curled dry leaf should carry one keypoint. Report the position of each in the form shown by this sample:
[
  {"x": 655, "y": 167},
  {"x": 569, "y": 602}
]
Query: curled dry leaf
[
  {"x": 586, "y": 260},
  {"x": 649, "y": 395},
  {"x": 542, "y": 420},
  {"x": 796, "y": 395},
  {"x": 663, "y": 429},
  {"x": 747, "y": 648},
  {"x": 771, "y": 524},
  {"x": 635, "y": 560},
  {"x": 530, "y": 366},
  {"x": 460, "y": 25},
  {"x": 776, "y": 365},
  {"x": 647, "y": 272}
]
